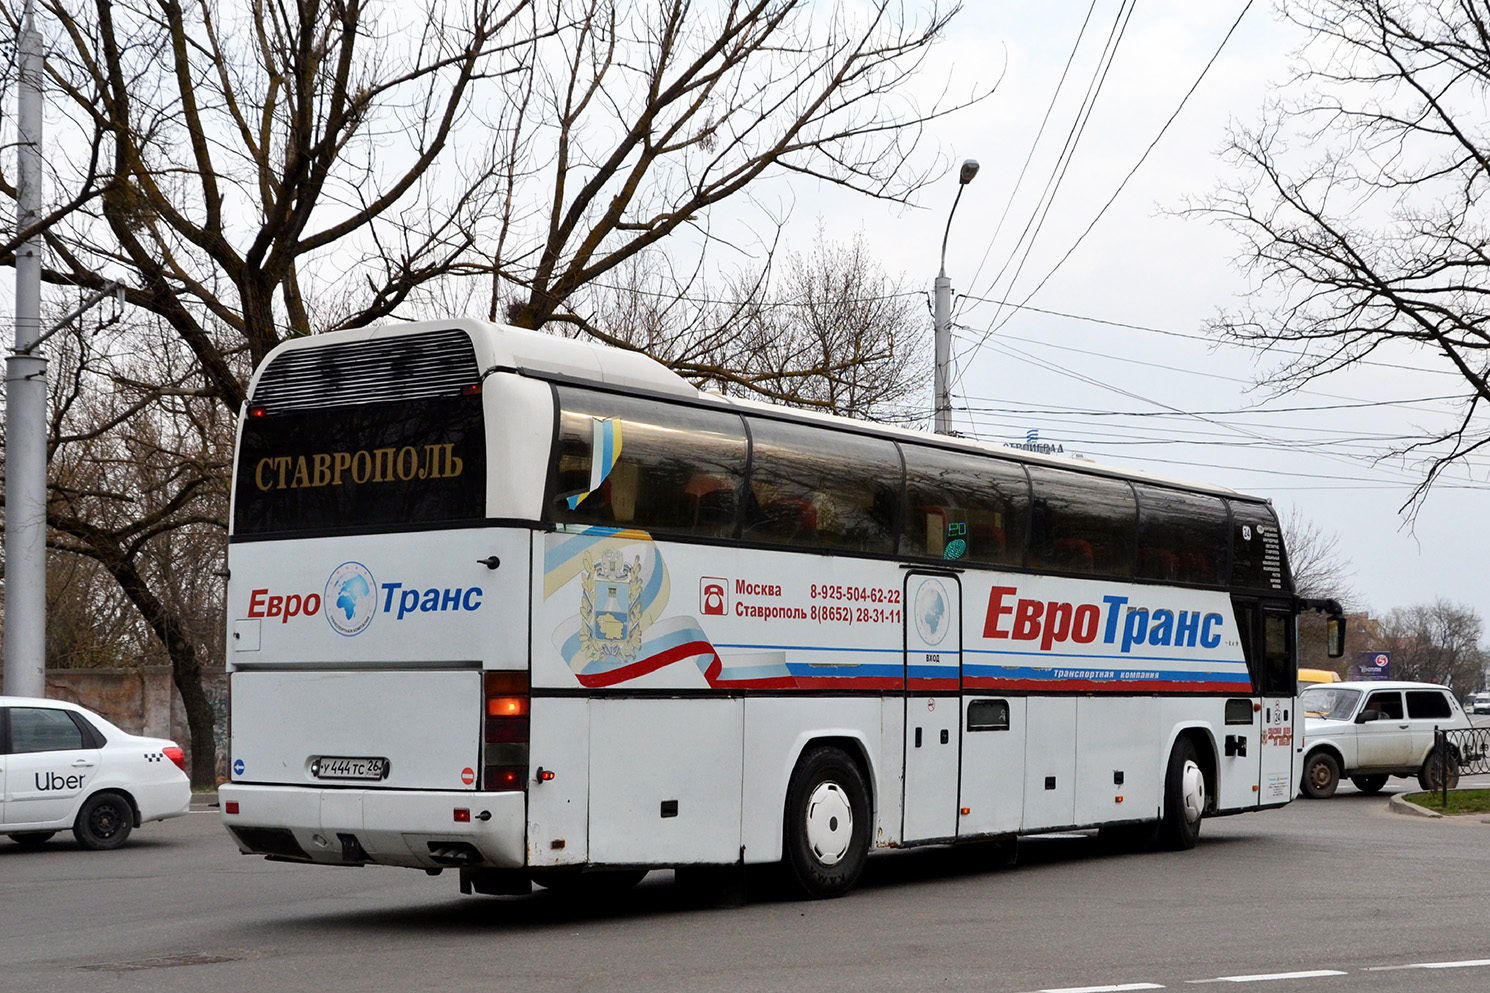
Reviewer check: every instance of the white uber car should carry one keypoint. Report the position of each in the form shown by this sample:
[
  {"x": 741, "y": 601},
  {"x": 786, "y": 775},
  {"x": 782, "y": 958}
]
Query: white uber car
[
  {"x": 65, "y": 767},
  {"x": 1372, "y": 730}
]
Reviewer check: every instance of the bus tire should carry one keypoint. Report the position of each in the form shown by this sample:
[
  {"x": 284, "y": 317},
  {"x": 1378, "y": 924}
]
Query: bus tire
[
  {"x": 1369, "y": 784},
  {"x": 104, "y": 821},
  {"x": 827, "y": 823},
  {"x": 1321, "y": 776},
  {"x": 1184, "y": 798}
]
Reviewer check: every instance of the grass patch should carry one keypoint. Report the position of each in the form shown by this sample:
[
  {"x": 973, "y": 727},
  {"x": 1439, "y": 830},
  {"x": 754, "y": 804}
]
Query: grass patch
[{"x": 1460, "y": 801}]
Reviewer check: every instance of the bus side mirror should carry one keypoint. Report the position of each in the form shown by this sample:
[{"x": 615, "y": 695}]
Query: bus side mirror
[{"x": 1335, "y": 635}]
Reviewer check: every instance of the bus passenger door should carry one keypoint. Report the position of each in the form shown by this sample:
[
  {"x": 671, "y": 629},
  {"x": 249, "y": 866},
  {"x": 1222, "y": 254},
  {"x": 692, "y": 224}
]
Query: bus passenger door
[
  {"x": 933, "y": 705},
  {"x": 1279, "y": 684},
  {"x": 1267, "y": 630}
]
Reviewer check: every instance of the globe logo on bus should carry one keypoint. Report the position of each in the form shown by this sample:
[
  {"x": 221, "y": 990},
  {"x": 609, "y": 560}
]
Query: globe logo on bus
[
  {"x": 931, "y": 612},
  {"x": 351, "y": 599}
]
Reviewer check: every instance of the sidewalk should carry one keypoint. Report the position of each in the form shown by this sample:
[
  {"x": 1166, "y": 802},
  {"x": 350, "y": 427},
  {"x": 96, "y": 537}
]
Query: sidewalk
[{"x": 204, "y": 801}]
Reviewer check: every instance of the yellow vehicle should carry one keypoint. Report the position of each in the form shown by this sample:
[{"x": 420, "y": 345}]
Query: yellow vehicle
[{"x": 1313, "y": 677}]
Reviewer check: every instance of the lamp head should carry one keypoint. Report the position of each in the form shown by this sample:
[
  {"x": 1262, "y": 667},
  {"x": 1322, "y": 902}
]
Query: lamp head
[{"x": 969, "y": 170}]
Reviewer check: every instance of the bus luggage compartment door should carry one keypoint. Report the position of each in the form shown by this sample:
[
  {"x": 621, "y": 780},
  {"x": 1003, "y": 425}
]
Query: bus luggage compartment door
[
  {"x": 559, "y": 794},
  {"x": 424, "y": 726}
]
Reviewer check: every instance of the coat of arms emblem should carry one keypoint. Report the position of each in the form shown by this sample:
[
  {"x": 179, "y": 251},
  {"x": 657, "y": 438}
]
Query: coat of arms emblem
[{"x": 610, "y": 609}]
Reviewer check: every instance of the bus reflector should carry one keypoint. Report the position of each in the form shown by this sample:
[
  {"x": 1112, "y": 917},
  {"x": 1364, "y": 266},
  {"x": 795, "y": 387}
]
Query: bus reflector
[
  {"x": 230, "y": 807},
  {"x": 506, "y": 731},
  {"x": 462, "y": 815}
]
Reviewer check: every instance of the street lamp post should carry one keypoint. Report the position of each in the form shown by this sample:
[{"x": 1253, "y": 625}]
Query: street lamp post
[
  {"x": 942, "y": 317},
  {"x": 26, "y": 402}
]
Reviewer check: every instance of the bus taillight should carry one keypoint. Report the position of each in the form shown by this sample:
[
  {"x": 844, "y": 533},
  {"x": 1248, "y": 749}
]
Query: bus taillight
[{"x": 506, "y": 731}]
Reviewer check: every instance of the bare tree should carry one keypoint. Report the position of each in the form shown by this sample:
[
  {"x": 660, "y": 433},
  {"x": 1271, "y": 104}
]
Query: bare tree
[
  {"x": 1319, "y": 567},
  {"x": 828, "y": 330},
  {"x": 138, "y": 486},
  {"x": 1320, "y": 570},
  {"x": 255, "y": 173},
  {"x": 1435, "y": 643},
  {"x": 1362, "y": 204},
  {"x": 642, "y": 117}
]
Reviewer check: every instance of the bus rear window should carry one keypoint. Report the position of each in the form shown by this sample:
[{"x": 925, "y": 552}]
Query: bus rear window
[{"x": 364, "y": 435}]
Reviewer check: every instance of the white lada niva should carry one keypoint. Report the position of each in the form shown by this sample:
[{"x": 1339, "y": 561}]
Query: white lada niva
[
  {"x": 62, "y": 766},
  {"x": 1371, "y": 730}
]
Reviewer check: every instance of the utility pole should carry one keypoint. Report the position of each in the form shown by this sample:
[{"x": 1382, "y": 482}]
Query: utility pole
[
  {"x": 942, "y": 318},
  {"x": 26, "y": 404}
]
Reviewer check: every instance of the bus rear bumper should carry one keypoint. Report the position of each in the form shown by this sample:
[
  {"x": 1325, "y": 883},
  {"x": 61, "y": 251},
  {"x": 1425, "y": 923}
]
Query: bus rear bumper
[{"x": 423, "y": 830}]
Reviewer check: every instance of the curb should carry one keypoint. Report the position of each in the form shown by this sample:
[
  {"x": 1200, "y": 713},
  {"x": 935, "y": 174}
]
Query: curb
[
  {"x": 204, "y": 801},
  {"x": 1398, "y": 805}
]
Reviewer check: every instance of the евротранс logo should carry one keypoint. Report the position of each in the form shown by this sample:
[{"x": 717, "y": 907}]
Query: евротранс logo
[{"x": 351, "y": 599}]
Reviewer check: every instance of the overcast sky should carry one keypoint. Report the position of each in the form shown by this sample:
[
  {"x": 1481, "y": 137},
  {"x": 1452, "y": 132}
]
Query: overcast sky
[{"x": 1022, "y": 370}]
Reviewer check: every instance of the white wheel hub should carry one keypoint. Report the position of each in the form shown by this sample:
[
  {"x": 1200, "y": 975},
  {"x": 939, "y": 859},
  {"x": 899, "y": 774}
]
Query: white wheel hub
[
  {"x": 830, "y": 823},
  {"x": 1192, "y": 792}
]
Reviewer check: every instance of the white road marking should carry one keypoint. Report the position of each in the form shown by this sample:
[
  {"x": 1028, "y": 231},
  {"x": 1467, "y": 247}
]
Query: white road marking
[
  {"x": 1468, "y": 964},
  {"x": 1269, "y": 977},
  {"x": 1120, "y": 988}
]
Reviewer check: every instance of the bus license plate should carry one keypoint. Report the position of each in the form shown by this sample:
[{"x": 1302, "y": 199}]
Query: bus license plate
[{"x": 330, "y": 767}]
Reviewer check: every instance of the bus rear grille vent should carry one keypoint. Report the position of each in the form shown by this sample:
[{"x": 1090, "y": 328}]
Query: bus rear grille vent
[
  {"x": 276, "y": 842},
  {"x": 403, "y": 367},
  {"x": 453, "y": 853}
]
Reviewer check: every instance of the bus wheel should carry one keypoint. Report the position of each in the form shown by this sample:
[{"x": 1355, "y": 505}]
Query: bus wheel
[
  {"x": 1321, "y": 776},
  {"x": 826, "y": 836},
  {"x": 104, "y": 821},
  {"x": 1184, "y": 798}
]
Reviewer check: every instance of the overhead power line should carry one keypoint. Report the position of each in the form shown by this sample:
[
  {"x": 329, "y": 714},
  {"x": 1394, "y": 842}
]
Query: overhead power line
[
  {"x": 1188, "y": 335},
  {"x": 997, "y": 323},
  {"x": 1067, "y": 154}
]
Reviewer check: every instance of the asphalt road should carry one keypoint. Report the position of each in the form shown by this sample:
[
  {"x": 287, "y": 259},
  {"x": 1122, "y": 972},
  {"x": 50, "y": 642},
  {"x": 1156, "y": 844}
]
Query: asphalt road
[{"x": 1343, "y": 887}]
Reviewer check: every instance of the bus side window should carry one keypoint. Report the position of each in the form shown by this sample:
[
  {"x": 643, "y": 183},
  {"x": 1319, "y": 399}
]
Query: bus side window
[
  {"x": 964, "y": 507},
  {"x": 1081, "y": 523},
  {"x": 1280, "y": 673},
  {"x": 1182, "y": 537},
  {"x": 674, "y": 469},
  {"x": 1257, "y": 555},
  {"x": 813, "y": 488}
]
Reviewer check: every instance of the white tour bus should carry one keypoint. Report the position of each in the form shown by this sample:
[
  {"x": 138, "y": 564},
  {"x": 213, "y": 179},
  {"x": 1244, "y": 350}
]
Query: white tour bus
[{"x": 540, "y": 610}]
